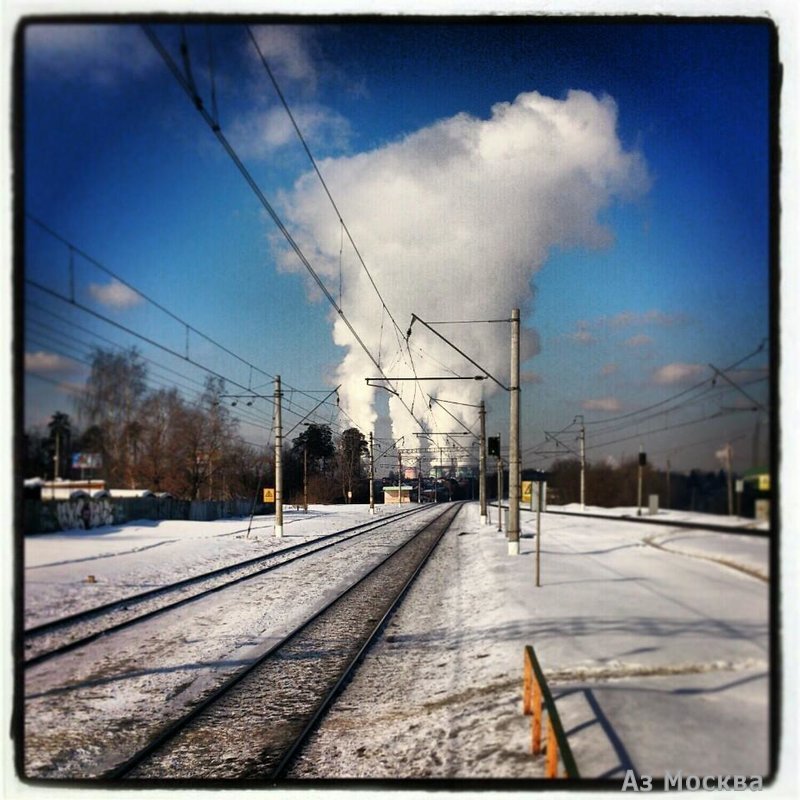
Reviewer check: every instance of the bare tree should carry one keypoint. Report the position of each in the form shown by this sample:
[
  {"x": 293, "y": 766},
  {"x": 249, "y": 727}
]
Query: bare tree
[
  {"x": 112, "y": 402},
  {"x": 157, "y": 465}
]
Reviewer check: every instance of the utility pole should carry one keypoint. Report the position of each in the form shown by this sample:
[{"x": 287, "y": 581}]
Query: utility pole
[
  {"x": 278, "y": 460},
  {"x": 419, "y": 480},
  {"x": 729, "y": 459},
  {"x": 538, "y": 532},
  {"x": 500, "y": 494},
  {"x": 669, "y": 495},
  {"x": 305, "y": 476},
  {"x": 57, "y": 456},
  {"x": 399, "y": 475},
  {"x": 583, "y": 465},
  {"x": 482, "y": 458},
  {"x": 642, "y": 462},
  {"x": 371, "y": 474},
  {"x": 514, "y": 456}
]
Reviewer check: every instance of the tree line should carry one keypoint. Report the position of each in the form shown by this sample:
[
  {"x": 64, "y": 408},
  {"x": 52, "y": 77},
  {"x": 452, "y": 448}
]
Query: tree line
[
  {"x": 155, "y": 439},
  {"x": 612, "y": 486}
]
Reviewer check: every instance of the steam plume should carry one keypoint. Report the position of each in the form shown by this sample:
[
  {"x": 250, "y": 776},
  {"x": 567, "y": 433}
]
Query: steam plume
[{"x": 453, "y": 221}]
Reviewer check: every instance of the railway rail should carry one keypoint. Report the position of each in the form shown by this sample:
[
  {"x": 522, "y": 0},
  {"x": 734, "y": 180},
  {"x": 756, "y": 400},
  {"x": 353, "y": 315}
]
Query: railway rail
[
  {"x": 673, "y": 523},
  {"x": 255, "y": 723},
  {"x": 53, "y": 638}
]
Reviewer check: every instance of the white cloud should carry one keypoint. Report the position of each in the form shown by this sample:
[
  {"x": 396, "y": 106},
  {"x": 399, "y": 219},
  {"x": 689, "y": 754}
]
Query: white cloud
[
  {"x": 678, "y": 373},
  {"x": 101, "y": 54},
  {"x": 288, "y": 50},
  {"x": 640, "y": 340},
  {"x": 653, "y": 317},
  {"x": 41, "y": 363},
  {"x": 453, "y": 221},
  {"x": 114, "y": 294},
  {"x": 582, "y": 335},
  {"x": 260, "y": 133},
  {"x": 601, "y": 404}
]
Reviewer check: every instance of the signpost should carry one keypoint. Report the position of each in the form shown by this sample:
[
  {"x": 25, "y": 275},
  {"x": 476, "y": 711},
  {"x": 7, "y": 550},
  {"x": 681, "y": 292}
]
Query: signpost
[{"x": 527, "y": 493}]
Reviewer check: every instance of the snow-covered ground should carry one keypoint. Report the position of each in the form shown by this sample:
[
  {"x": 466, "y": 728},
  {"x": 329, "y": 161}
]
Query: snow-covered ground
[
  {"x": 126, "y": 559},
  {"x": 87, "y": 711},
  {"x": 659, "y": 662},
  {"x": 658, "y": 656}
]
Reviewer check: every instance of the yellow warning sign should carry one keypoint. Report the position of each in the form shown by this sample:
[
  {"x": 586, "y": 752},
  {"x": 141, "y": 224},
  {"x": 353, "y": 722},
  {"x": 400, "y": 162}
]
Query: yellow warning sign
[
  {"x": 527, "y": 491},
  {"x": 269, "y": 495},
  {"x": 763, "y": 483}
]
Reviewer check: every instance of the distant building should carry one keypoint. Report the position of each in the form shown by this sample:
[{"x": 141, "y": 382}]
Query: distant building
[
  {"x": 64, "y": 490},
  {"x": 397, "y": 494}
]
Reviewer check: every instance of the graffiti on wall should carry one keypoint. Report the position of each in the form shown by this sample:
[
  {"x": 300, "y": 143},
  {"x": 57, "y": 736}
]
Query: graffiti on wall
[{"x": 84, "y": 513}]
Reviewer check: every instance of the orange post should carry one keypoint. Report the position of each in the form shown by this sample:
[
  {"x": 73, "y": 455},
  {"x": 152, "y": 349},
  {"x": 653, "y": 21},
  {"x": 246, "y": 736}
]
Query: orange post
[
  {"x": 551, "y": 769},
  {"x": 536, "y": 723},
  {"x": 526, "y": 688}
]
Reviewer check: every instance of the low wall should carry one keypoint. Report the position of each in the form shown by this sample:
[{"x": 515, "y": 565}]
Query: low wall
[{"x": 48, "y": 516}]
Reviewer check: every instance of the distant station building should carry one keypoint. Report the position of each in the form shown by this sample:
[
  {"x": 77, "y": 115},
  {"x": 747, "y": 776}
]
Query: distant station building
[{"x": 397, "y": 494}]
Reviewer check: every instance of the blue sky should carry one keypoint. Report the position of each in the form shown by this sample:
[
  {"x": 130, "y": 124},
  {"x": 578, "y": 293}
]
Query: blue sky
[{"x": 620, "y": 197}]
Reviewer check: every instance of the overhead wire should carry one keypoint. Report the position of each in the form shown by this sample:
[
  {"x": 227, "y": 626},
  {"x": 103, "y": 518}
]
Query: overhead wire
[
  {"x": 73, "y": 248},
  {"x": 72, "y": 303},
  {"x": 343, "y": 227},
  {"x": 193, "y": 95}
]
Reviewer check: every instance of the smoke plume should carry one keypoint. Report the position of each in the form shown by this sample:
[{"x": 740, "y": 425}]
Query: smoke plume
[{"x": 453, "y": 221}]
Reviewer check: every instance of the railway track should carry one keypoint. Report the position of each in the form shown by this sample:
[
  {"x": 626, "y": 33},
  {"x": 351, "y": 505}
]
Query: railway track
[
  {"x": 256, "y": 722},
  {"x": 704, "y": 526},
  {"x": 53, "y": 638}
]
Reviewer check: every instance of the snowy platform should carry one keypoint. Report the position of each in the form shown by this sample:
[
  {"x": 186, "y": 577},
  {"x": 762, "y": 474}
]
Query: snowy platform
[{"x": 658, "y": 661}]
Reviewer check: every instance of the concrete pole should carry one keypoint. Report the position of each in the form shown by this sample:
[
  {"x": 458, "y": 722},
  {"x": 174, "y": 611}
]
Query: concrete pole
[
  {"x": 278, "y": 460},
  {"x": 514, "y": 455},
  {"x": 482, "y": 478},
  {"x": 371, "y": 474}
]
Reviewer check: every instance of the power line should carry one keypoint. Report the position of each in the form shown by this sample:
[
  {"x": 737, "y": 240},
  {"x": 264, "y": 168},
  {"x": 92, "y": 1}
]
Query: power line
[
  {"x": 73, "y": 248},
  {"x": 191, "y": 92},
  {"x": 314, "y": 164}
]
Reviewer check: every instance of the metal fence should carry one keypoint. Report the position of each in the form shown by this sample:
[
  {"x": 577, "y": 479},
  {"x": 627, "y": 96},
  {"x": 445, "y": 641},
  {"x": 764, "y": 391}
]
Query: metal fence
[{"x": 535, "y": 695}]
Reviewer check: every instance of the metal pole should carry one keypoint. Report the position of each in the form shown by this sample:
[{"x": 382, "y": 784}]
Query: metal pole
[
  {"x": 669, "y": 494},
  {"x": 513, "y": 455},
  {"x": 482, "y": 457},
  {"x": 57, "y": 456},
  {"x": 371, "y": 474},
  {"x": 729, "y": 458},
  {"x": 583, "y": 466},
  {"x": 399, "y": 475},
  {"x": 639, "y": 492},
  {"x": 278, "y": 460},
  {"x": 538, "y": 531},
  {"x": 419, "y": 480},
  {"x": 499, "y": 494},
  {"x": 305, "y": 477}
]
